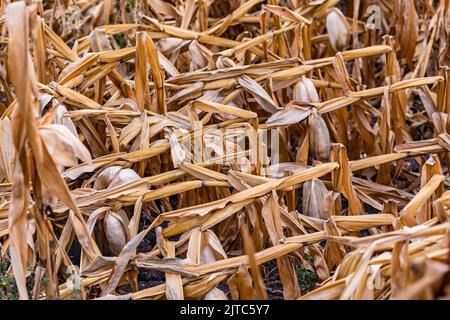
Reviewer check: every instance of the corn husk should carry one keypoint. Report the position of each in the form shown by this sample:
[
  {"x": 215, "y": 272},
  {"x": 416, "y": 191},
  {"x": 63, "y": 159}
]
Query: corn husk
[
  {"x": 319, "y": 138},
  {"x": 115, "y": 231},
  {"x": 338, "y": 29}
]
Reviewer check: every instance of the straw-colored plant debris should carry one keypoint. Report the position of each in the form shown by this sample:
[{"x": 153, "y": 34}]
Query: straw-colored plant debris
[{"x": 225, "y": 149}]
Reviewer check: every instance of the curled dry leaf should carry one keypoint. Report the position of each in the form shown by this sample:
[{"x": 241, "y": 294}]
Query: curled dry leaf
[
  {"x": 63, "y": 145},
  {"x": 289, "y": 115},
  {"x": 6, "y": 148},
  {"x": 176, "y": 150},
  {"x": 407, "y": 28}
]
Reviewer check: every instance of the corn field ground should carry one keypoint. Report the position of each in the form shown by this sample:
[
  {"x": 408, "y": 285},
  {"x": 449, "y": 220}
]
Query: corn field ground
[{"x": 224, "y": 149}]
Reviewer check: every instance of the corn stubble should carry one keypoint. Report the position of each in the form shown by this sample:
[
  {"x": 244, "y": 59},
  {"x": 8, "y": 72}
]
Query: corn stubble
[{"x": 98, "y": 99}]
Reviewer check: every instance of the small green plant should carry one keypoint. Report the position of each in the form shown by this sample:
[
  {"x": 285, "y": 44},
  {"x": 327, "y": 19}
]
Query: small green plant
[
  {"x": 8, "y": 287},
  {"x": 8, "y": 290},
  {"x": 306, "y": 278},
  {"x": 121, "y": 40}
]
